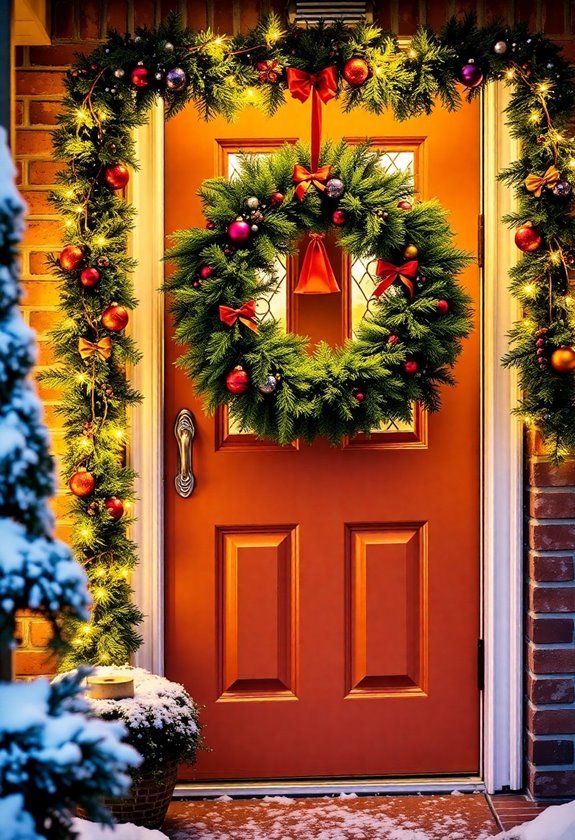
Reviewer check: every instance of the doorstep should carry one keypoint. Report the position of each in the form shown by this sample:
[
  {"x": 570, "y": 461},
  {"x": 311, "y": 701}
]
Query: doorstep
[
  {"x": 514, "y": 809},
  {"x": 463, "y": 816}
]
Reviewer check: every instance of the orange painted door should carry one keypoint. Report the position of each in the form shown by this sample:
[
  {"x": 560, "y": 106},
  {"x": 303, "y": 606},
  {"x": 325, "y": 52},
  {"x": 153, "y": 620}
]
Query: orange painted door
[{"x": 322, "y": 604}]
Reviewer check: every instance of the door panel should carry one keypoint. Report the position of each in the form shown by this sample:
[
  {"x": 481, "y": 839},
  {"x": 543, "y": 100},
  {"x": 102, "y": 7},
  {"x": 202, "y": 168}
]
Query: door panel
[{"x": 322, "y": 603}]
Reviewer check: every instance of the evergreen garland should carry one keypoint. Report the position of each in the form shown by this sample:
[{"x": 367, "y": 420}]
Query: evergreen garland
[
  {"x": 402, "y": 351},
  {"x": 110, "y": 92}
]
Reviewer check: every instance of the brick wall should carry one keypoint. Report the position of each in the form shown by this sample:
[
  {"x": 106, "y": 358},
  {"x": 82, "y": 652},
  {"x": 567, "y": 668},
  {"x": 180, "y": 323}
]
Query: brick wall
[{"x": 77, "y": 26}]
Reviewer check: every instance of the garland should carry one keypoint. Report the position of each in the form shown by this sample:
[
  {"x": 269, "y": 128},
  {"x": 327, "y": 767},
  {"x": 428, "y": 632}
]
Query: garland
[
  {"x": 401, "y": 354},
  {"x": 111, "y": 91}
]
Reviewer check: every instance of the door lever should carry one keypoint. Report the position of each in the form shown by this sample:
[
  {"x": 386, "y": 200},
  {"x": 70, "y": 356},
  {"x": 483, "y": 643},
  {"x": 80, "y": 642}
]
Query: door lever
[{"x": 184, "y": 431}]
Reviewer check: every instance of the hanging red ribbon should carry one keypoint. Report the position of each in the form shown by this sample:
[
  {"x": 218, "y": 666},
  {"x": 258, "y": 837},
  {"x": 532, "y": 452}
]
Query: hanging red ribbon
[
  {"x": 316, "y": 276},
  {"x": 389, "y": 273},
  {"x": 323, "y": 87},
  {"x": 304, "y": 178},
  {"x": 245, "y": 314}
]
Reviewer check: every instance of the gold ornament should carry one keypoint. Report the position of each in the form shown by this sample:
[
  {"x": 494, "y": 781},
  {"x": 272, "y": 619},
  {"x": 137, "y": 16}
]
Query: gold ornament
[{"x": 410, "y": 252}]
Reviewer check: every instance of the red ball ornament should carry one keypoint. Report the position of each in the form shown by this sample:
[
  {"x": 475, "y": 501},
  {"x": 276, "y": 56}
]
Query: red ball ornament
[
  {"x": 82, "y": 483},
  {"x": 239, "y": 232},
  {"x": 210, "y": 225},
  {"x": 116, "y": 176},
  {"x": 277, "y": 199},
  {"x": 404, "y": 205},
  {"x": 115, "y": 317},
  {"x": 355, "y": 71},
  {"x": 528, "y": 238},
  {"x": 196, "y": 284},
  {"x": 90, "y": 277},
  {"x": 339, "y": 217},
  {"x": 411, "y": 367},
  {"x": 115, "y": 507},
  {"x": 206, "y": 271},
  {"x": 360, "y": 396},
  {"x": 71, "y": 257},
  {"x": 442, "y": 306},
  {"x": 563, "y": 359},
  {"x": 470, "y": 75},
  {"x": 393, "y": 339},
  {"x": 139, "y": 77},
  {"x": 238, "y": 381}
]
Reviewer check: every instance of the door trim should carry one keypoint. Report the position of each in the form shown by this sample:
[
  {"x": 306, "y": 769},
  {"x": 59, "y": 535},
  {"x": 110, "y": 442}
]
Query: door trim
[{"x": 501, "y": 446}]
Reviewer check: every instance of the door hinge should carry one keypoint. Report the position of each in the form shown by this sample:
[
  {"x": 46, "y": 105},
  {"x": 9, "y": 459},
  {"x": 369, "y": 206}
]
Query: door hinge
[
  {"x": 480, "y": 240},
  {"x": 480, "y": 664}
]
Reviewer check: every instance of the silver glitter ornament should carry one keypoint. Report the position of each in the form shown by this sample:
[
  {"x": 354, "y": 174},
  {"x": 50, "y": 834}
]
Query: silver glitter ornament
[
  {"x": 268, "y": 386},
  {"x": 254, "y": 228},
  {"x": 119, "y": 73},
  {"x": 176, "y": 79},
  {"x": 500, "y": 48},
  {"x": 158, "y": 76},
  {"x": 334, "y": 188},
  {"x": 562, "y": 190},
  {"x": 169, "y": 47},
  {"x": 253, "y": 202}
]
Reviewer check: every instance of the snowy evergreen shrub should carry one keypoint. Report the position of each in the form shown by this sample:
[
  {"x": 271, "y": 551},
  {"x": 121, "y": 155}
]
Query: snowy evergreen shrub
[{"x": 161, "y": 719}]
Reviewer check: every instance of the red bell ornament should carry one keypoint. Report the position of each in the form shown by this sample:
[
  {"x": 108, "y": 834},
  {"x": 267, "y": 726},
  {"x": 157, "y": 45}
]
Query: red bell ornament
[
  {"x": 139, "y": 77},
  {"x": 90, "y": 277},
  {"x": 238, "y": 380},
  {"x": 116, "y": 176},
  {"x": 563, "y": 359},
  {"x": 71, "y": 257},
  {"x": 115, "y": 317},
  {"x": 355, "y": 71},
  {"x": 115, "y": 507},
  {"x": 528, "y": 238},
  {"x": 82, "y": 483}
]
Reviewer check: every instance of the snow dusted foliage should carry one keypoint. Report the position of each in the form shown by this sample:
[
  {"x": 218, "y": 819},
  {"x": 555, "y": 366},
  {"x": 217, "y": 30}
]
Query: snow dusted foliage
[
  {"x": 161, "y": 719},
  {"x": 36, "y": 572},
  {"x": 56, "y": 755}
]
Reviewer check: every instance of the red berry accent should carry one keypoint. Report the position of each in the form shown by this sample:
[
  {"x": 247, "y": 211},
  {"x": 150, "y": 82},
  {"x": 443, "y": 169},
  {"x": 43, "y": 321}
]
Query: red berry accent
[
  {"x": 196, "y": 284},
  {"x": 442, "y": 306},
  {"x": 206, "y": 271},
  {"x": 393, "y": 339},
  {"x": 339, "y": 217},
  {"x": 210, "y": 225},
  {"x": 359, "y": 396},
  {"x": 404, "y": 205},
  {"x": 540, "y": 342},
  {"x": 411, "y": 367}
]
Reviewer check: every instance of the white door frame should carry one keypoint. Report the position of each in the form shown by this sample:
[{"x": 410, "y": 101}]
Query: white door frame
[{"x": 502, "y": 440}]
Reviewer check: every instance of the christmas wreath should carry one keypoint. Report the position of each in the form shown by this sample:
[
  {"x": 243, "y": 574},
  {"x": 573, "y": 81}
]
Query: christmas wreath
[{"x": 403, "y": 349}]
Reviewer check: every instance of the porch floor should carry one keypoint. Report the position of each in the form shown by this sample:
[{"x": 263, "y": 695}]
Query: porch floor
[{"x": 344, "y": 817}]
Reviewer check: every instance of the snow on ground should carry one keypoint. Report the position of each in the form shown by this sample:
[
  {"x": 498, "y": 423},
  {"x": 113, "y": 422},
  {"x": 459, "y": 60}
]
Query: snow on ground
[
  {"x": 92, "y": 831},
  {"x": 555, "y": 823}
]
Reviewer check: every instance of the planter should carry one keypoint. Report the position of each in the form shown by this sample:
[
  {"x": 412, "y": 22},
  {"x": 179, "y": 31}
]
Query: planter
[{"x": 149, "y": 799}]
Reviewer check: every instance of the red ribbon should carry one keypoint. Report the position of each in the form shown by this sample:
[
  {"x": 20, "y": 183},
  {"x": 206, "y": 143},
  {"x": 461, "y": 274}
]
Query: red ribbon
[
  {"x": 304, "y": 178},
  {"x": 245, "y": 314},
  {"x": 389, "y": 273},
  {"x": 323, "y": 85},
  {"x": 316, "y": 275}
]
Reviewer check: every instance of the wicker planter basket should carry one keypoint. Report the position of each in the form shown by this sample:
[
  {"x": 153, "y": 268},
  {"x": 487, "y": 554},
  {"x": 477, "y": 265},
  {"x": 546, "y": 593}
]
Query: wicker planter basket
[{"x": 149, "y": 798}]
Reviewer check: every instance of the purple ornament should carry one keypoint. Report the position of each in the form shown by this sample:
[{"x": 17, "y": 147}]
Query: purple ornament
[
  {"x": 334, "y": 188},
  {"x": 470, "y": 75},
  {"x": 176, "y": 79},
  {"x": 239, "y": 232},
  {"x": 562, "y": 190}
]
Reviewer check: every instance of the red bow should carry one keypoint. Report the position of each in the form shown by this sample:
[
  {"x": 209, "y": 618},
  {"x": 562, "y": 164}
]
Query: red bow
[
  {"x": 389, "y": 273},
  {"x": 245, "y": 314},
  {"x": 303, "y": 178},
  {"x": 324, "y": 87}
]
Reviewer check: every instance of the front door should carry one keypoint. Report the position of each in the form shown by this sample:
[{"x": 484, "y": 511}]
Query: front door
[{"x": 322, "y": 603}]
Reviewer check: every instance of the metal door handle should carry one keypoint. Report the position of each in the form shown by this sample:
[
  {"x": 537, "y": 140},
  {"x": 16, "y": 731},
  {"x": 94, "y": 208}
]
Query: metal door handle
[{"x": 185, "y": 431}]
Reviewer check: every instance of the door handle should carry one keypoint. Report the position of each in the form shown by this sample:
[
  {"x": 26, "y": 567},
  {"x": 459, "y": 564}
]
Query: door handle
[{"x": 184, "y": 431}]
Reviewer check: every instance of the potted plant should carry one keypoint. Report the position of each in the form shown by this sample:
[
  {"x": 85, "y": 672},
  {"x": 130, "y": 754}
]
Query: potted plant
[{"x": 161, "y": 721}]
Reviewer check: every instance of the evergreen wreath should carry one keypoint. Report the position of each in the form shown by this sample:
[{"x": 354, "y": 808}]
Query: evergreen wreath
[
  {"x": 403, "y": 349},
  {"x": 110, "y": 92}
]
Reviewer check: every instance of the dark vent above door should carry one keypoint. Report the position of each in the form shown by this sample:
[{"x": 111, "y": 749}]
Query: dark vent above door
[{"x": 307, "y": 12}]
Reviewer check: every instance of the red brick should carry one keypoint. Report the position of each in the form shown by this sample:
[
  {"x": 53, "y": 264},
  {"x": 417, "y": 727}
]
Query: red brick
[
  {"x": 39, "y": 263},
  {"x": 546, "y": 474},
  {"x": 551, "y": 721},
  {"x": 551, "y": 660},
  {"x": 19, "y": 172},
  {"x": 30, "y": 82},
  {"x": 544, "y": 505},
  {"x": 46, "y": 393},
  {"x": 58, "y": 55},
  {"x": 38, "y": 203},
  {"x": 33, "y": 142},
  {"x": 546, "y": 691},
  {"x": 552, "y": 783},
  {"x": 558, "y": 567},
  {"x": 61, "y": 506},
  {"x": 549, "y": 752},
  {"x": 43, "y": 172},
  {"x": 547, "y": 631},
  {"x": 43, "y": 233},
  {"x": 18, "y": 112},
  {"x": 44, "y": 113},
  {"x": 40, "y": 634},
  {"x": 33, "y": 663},
  {"x": 551, "y": 537},
  {"x": 44, "y": 321},
  {"x": 546, "y": 599},
  {"x": 41, "y": 293},
  {"x": 46, "y": 353}
]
